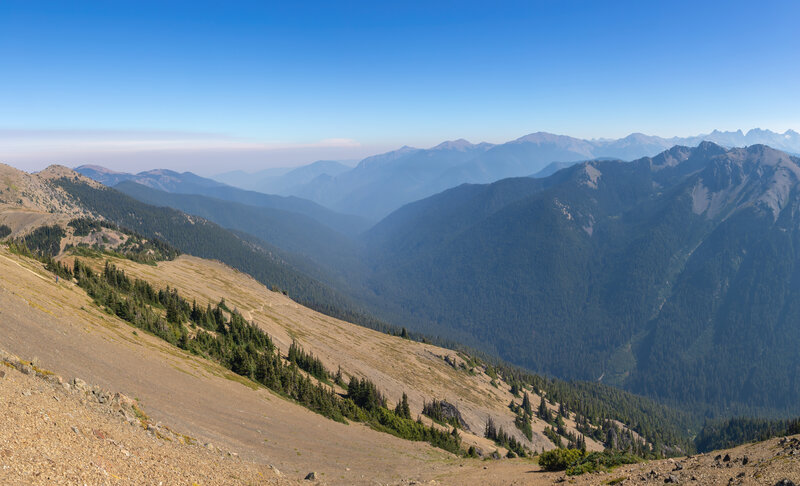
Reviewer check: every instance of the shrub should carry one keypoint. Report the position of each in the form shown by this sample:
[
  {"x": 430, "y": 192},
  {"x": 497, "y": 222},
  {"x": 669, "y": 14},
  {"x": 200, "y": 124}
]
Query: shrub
[
  {"x": 600, "y": 461},
  {"x": 576, "y": 461},
  {"x": 559, "y": 459}
]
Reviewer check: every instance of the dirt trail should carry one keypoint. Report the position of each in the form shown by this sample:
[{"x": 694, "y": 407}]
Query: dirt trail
[{"x": 22, "y": 267}]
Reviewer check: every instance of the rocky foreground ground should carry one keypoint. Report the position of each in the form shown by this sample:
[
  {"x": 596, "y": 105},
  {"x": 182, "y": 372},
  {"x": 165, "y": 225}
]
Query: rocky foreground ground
[{"x": 58, "y": 432}]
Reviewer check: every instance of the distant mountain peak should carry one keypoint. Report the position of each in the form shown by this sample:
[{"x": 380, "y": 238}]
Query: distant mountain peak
[{"x": 460, "y": 144}]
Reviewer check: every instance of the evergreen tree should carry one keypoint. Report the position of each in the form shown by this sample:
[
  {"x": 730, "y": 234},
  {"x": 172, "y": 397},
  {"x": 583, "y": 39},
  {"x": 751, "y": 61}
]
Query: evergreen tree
[
  {"x": 339, "y": 380},
  {"x": 402, "y": 409},
  {"x": 543, "y": 412},
  {"x": 526, "y": 403}
]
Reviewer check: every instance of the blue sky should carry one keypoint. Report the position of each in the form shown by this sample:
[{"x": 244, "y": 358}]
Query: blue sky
[{"x": 141, "y": 84}]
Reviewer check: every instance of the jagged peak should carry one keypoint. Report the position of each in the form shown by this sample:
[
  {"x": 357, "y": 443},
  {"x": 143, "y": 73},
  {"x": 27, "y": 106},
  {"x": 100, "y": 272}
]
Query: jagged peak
[{"x": 671, "y": 157}]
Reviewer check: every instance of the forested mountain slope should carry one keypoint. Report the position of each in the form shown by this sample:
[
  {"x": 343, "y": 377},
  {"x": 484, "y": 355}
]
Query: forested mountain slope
[
  {"x": 203, "y": 324},
  {"x": 676, "y": 276}
]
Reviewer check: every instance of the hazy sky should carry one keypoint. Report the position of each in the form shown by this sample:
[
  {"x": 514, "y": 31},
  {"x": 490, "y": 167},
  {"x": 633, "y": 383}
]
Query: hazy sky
[{"x": 213, "y": 86}]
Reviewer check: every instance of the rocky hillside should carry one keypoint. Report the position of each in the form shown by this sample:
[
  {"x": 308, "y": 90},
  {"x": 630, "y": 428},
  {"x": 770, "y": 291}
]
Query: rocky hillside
[{"x": 28, "y": 201}]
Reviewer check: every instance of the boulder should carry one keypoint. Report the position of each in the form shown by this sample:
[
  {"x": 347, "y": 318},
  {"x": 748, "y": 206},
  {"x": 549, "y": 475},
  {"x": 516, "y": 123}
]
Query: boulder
[{"x": 79, "y": 384}]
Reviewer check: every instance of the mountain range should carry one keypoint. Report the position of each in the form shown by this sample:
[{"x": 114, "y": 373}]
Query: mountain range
[{"x": 382, "y": 183}]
